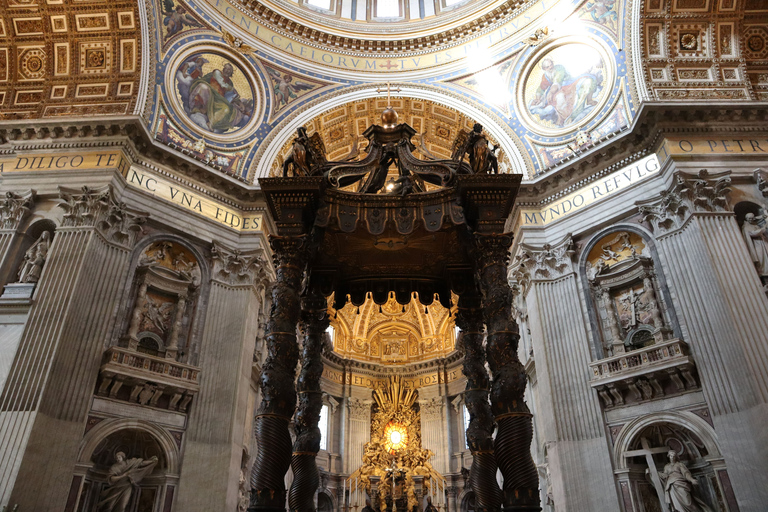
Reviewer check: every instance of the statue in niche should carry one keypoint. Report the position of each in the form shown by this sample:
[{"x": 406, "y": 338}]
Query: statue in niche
[
  {"x": 756, "y": 237},
  {"x": 244, "y": 496},
  {"x": 124, "y": 477},
  {"x": 34, "y": 259},
  {"x": 678, "y": 487}
]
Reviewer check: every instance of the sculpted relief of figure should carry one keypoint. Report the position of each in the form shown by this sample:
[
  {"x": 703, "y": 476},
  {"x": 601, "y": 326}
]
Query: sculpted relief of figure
[
  {"x": 678, "y": 487},
  {"x": 756, "y": 237},
  {"x": 34, "y": 259},
  {"x": 124, "y": 477}
]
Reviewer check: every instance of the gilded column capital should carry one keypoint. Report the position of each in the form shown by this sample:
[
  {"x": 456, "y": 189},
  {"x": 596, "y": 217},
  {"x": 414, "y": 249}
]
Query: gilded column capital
[
  {"x": 240, "y": 268},
  {"x": 544, "y": 263},
  {"x": 14, "y": 207},
  {"x": 689, "y": 194}
]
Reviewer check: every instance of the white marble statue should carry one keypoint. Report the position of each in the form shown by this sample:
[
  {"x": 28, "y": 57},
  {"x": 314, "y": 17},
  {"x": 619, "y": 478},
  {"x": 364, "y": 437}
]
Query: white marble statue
[
  {"x": 756, "y": 237},
  {"x": 34, "y": 259},
  {"x": 678, "y": 487},
  {"x": 124, "y": 477}
]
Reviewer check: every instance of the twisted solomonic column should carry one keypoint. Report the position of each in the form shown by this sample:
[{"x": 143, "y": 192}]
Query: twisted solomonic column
[
  {"x": 482, "y": 474},
  {"x": 515, "y": 425},
  {"x": 273, "y": 457},
  {"x": 306, "y": 477}
]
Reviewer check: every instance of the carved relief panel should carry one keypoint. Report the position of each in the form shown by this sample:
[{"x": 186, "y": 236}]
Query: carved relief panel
[{"x": 625, "y": 291}]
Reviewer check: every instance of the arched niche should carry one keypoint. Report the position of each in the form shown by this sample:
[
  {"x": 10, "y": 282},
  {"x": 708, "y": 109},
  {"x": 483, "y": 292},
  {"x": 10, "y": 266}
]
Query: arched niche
[
  {"x": 161, "y": 312},
  {"x": 630, "y": 306},
  {"x": 28, "y": 256},
  {"x": 136, "y": 439},
  {"x": 753, "y": 223},
  {"x": 641, "y": 456}
]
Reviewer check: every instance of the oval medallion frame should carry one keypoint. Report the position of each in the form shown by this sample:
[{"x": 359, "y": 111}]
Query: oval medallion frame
[
  {"x": 609, "y": 83},
  {"x": 172, "y": 95}
]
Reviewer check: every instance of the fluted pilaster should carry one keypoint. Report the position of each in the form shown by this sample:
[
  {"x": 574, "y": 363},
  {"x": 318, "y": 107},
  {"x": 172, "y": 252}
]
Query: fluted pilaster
[
  {"x": 215, "y": 433},
  {"x": 47, "y": 394},
  {"x": 569, "y": 418},
  {"x": 724, "y": 318}
]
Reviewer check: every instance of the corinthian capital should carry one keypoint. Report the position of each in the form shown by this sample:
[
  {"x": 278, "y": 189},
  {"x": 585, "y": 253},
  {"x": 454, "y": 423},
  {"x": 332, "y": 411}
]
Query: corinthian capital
[
  {"x": 236, "y": 267},
  {"x": 549, "y": 261},
  {"x": 689, "y": 194},
  {"x": 98, "y": 208},
  {"x": 14, "y": 207}
]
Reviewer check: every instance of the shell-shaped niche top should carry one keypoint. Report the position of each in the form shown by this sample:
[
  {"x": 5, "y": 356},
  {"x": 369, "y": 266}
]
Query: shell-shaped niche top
[
  {"x": 171, "y": 260},
  {"x": 393, "y": 333}
]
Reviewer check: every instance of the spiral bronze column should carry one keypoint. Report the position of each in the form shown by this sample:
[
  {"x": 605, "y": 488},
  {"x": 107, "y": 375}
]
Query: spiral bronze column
[
  {"x": 278, "y": 394},
  {"x": 512, "y": 446},
  {"x": 306, "y": 477},
  {"x": 482, "y": 474}
]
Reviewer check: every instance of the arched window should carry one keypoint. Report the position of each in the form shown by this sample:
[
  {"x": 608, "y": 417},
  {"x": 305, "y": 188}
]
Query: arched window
[{"x": 323, "y": 426}]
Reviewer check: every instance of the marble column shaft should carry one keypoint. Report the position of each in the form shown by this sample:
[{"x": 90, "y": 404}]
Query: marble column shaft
[
  {"x": 569, "y": 417},
  {"x": 215, "y": 435},
  {"x": 46, "y": 400}
]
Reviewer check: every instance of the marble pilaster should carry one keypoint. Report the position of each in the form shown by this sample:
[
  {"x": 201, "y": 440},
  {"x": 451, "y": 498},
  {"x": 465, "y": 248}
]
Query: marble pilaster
[
  {"x": 47, "y": 395},
  {"x": 215, "y": 436},
  {"x": 359, "y": 432},
  {"x": 723, "y": 313},
  {"x": 569, "y": 418}
]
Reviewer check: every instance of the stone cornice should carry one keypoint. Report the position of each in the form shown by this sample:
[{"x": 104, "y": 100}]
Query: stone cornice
[
  {"x": 652, "y": 122},
  {"x": 131, "y": 135}
]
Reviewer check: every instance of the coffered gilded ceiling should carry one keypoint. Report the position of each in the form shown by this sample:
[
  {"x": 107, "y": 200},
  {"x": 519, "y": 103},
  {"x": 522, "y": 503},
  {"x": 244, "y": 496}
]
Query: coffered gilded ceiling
[
  {"x": 62, "y": 58},
  {"x": 342, "y": 129},
  {"x": 705, "y": 49}
]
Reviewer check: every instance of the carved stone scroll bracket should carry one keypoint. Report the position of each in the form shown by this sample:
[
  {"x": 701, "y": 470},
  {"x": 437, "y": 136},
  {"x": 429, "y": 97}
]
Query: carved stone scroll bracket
[
  {"x": 689, "y": 194},
  {"x": 15, "y": 207},
  {"x": 514, "y": 421},
  {"x": 278, "y": 392}
]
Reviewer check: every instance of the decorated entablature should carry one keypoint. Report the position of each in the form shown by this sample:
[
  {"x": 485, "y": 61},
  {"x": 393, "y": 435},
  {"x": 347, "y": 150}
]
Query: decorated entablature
[
  {"x": 394, "y": 451},
  {"x": 393, "y": 333}
]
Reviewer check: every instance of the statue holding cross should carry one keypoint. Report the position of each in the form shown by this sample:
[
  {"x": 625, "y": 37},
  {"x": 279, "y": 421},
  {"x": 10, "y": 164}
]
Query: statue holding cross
[{"x": 674, "y": 485}]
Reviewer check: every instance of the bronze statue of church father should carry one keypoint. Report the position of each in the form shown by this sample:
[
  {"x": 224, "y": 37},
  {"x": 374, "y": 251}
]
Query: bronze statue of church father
[{"x": 391, "y": 222}]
